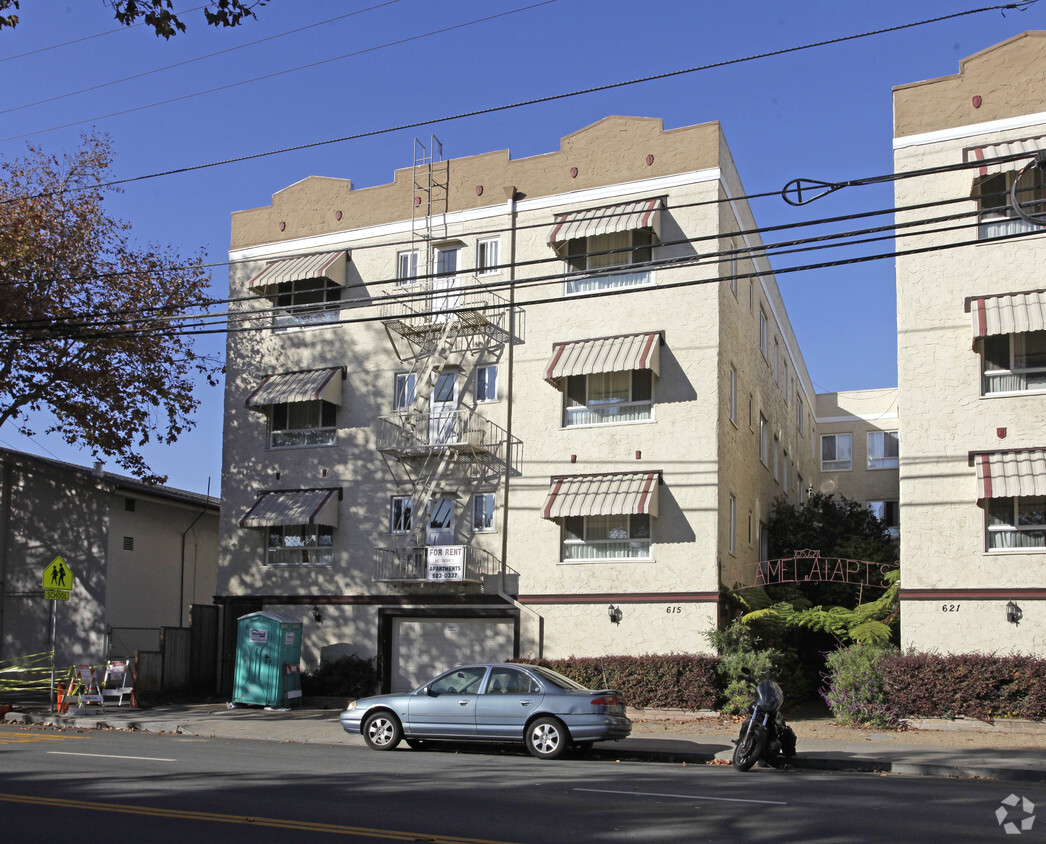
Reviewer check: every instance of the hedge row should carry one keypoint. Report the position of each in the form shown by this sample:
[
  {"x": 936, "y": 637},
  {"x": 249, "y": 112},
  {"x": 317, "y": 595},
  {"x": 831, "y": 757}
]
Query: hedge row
[
  {"x": 976, "y": 685},
  {"x": 674, "y": 681}
]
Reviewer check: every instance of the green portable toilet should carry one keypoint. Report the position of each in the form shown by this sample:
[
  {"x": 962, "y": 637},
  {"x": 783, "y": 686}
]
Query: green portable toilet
[{"x": 268, "y": 651}]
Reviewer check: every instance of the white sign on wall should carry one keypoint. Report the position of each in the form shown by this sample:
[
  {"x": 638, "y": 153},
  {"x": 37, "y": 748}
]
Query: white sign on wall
[{"x": 445, "y": 562}]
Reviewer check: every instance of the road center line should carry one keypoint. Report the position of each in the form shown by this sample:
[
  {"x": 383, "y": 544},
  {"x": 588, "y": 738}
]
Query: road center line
[
  {"x": 682, "y": 796},
  {"x": 110, "y": 756}
]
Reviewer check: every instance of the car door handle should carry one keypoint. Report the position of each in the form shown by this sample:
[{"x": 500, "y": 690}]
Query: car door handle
[
  {"x": 525, "y": 702},
  {"x": 463, "y": 703}
]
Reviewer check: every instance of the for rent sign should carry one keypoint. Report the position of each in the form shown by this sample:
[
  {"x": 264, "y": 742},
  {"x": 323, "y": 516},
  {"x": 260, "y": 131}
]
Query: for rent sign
[{"x": 445, "y": 562}]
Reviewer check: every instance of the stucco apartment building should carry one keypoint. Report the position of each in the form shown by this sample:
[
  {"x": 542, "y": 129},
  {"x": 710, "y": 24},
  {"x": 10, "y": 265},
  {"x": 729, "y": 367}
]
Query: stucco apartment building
[
  {"x": 506, "y": 407},
  {"x": 971, "y": 320},
  {"x": 141, "y": 555}
]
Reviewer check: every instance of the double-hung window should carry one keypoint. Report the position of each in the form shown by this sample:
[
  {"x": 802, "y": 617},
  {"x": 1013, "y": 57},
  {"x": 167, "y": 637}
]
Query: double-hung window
[
  {"x": 483, "y": 512},
  {"x": 601, "y": 252},
  {"x": 764, "y": 441},
  {"x": 488, "y": 256},
  {"x": 836, "y": 452},
  {"x": 733, "y": 394},
  {"x": 1014, "y": 362},
  {"x": 1018, "y": 522},
  {"x": 882, "y": 450},
  {"x": 763, "y": 339},
  {"x": 302, "y": 423},
  {"x": 623, "y": 537},
  {"x": 996, "y": 213},
  {"x": 889, "y": 514},
  {"x": 605, "y": 397},
  {"x": 487, "y": 383},
  {"x": 406, "y": 266},
  {"x": 300, "y": 545},
  {"x": 305, "y": 302},
  {"x": 403, "y": 396},
  {"x": 400, "y": 514}
]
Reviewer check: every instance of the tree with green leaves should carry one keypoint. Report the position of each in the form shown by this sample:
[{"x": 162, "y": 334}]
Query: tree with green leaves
[
  {"x": 88, "y": 320},
  {"x": 159, "y": 14}
]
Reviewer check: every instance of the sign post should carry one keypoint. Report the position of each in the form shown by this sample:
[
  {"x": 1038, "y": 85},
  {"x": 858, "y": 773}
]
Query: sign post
[{"x": 58, "y": 583}]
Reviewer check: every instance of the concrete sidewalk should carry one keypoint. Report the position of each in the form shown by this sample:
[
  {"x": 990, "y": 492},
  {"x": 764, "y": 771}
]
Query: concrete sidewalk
[{"x": 656, "y": 737}]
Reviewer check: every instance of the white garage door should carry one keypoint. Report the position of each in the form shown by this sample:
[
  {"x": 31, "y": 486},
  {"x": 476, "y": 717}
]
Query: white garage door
[{"x": 423, "y": 647}]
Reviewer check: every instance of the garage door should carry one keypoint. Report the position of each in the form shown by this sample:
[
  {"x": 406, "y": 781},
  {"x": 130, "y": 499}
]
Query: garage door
[{"x": 422, "y": 648}]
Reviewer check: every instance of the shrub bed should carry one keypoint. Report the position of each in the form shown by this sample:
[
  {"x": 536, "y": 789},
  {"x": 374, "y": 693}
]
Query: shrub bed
[
  {"x": 672, "y": 681},
  {"x": 347, "y": 676}
]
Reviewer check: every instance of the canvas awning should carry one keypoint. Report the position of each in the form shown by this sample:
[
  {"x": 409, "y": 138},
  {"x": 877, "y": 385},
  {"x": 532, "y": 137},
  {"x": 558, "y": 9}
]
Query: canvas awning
[
  {"x": 328, "y": 265},
  {"x": 1010, "y": 313},
  {"x": 293, "y": 507},
  {"x": 624, "y": 353},
  {"x": 623, "y": 493},
  {"x": 628, "y": 216},
  {"x": 311, "y": 385},
  {"x": 1026, "y": 147},
  {"x": 1010, "y": 474}
]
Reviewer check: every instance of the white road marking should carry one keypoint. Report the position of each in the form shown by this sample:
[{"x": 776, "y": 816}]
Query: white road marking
[
  {"x": 682, "y": 796},
  {"x": 111, "y": 756}
]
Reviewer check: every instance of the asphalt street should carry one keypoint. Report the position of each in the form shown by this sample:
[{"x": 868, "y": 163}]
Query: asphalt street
[{"x": 108, "y": 784}]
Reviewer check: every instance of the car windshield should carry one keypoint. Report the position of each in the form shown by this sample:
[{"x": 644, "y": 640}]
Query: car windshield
[{"x": 554, "y": 677}]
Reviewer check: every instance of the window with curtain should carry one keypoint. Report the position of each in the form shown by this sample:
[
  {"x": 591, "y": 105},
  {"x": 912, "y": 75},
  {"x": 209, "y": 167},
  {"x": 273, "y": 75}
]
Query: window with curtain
[
  {"x": 1014, "y": 363},
  {"x": 608, "y": 397},
  {"x": 836, "y": 452},
  {"x": 621, "y": 537},
  {"x": 400, "y": 515},
  {"x": 889, "y": 513},
  {"x": 1015, "y": 523},
  {"x": 302, "y": 423},
  {"x": 607, "y": 251},
  {"x": 996, "y": 216},
  {"x": 883, "y": 450}
]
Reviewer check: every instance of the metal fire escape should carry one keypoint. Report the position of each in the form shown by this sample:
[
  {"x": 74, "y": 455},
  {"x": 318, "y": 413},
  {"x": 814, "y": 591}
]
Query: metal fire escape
[{"x": 441, "y": 324}]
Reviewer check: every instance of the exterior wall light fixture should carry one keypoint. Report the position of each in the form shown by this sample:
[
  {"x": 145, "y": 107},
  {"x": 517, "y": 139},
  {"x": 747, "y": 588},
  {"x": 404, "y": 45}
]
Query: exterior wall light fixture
[
  {"x": 614, "y": 613},
  {"x": 1014, "y": 614},
  {"x": 317, "y": 616}
]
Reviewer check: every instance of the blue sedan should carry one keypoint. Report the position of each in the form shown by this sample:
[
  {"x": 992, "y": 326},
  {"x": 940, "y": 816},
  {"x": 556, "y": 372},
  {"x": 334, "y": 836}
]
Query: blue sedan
[{"x": 540, "y": 708}]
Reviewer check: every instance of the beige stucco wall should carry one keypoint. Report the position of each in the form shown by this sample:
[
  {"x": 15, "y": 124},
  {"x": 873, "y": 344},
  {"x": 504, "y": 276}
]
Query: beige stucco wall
[{"x": 944, "y": 560}]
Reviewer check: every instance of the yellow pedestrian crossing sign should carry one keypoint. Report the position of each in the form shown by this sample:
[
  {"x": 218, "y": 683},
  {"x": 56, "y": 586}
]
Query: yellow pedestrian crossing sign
[{"x": 57, "y": 580}]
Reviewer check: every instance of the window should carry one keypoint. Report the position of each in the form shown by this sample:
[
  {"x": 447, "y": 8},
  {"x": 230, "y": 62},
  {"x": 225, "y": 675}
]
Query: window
[
  {"x": 1017, "y": 522},
  {"x": 488, "y": 257},
  {"x": 1014, "y": 362},
  {"x": 762, "y": 334},
  {"x": 751, "y": 295},
  {"x": 487, "y": 383},
  {"x": 836, "y": 454},
  {"x": 401, "y": 514},
  {"x": 799, "y": 412},
  {"x": 129, "y": 504},
  {"x": 751, "y": 411},
  {"x": 483, "y": 512},
  {"x": 784, "y": 382},
  {"x": 732, "y": 269},
  {"x": 609, "y": 397},
  {"x": 777, "y": 457},
  {"x": 750, "y": 524},
  {"x": 764, "y": 441},
  {"x": 300, "y": 545},
  {"x": 302, "y": 423},
  {"x": 777, "y": 362},
  {"x": 997, "y": 216},
  {"x": 606, "y": 538},
  {"x": 511, "y": 681},
  {"x": 305, "y": 302},
  {"x": 802, "y": 488},
  {"x": 882, "y": 450},
  {"x": 606, "y": 251},
  {"x": 731, "y": 539},
  {"x": 784, "y": 473},
  {"x": 888, "y": 513},
  {"x": 404, "y": 391},
  {"x": 406, "y": 266},
  {"x": 733, "y": 394},
  {"x": 128, "y": 543}
]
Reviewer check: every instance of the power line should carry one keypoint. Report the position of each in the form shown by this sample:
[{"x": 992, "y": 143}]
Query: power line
[
  {"x": 1020, "y": 5},
  {"x": 188, "y": 61}
]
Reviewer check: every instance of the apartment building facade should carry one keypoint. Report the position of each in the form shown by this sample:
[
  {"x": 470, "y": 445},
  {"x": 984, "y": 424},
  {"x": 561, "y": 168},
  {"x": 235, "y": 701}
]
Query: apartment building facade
[
  {"x": 507, "y": 407},
  {"x": 971, "y": 319}
]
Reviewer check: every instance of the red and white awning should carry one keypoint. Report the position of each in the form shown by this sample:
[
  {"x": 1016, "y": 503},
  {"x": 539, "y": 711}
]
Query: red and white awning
[
  {"x": 1010, "y": 474},
  {"x": 1009, "y": 313},
  {"x": 624, "y": 353},
  {"x": 311, "y": 385},
  {"x": 1025, "y": 147},
  {"x": 328, "y": 265},
  {"x": 609, "y": 219},
  {"x": 616, "y": 494},
  {"x": 293, "y": 507}
]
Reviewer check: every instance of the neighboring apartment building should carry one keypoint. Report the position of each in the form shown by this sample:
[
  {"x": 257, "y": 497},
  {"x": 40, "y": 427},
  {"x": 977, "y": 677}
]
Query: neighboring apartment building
[
  {"x": 141, "y": 556},
  {"x": 859, "y": 438},
  {"x": 505, "y": 407},
  {"x": 971, "y": 320}
]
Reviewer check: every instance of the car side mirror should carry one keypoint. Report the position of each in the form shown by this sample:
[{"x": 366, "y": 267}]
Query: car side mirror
[{"x": 428, "y": 690}]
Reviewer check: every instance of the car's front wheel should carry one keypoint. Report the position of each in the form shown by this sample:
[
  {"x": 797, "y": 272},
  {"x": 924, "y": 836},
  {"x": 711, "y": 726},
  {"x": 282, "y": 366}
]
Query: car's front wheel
[
  {"x": 382, "y": 731},
  {"x": 547, "y": 738}
]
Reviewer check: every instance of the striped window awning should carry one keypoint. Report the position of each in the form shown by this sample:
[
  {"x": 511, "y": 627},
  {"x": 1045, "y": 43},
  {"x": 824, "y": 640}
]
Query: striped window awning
[
  {"x": 1025, "y": 147},
  {"x": 1010, "y": 474},
  {"x": 312, "y": 385},
  {"x": 294, "y": 507},
  {"x": 328, "y": 265},
  {"x": 1010, "y": 313},
  {"x": 604, "y": 354},
  {"x": 623, "y": 493},
  {"x": 627, "y": 216}
]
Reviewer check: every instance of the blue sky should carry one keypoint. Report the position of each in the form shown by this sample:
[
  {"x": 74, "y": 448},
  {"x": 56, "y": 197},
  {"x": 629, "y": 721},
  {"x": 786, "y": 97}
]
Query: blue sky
[{"x": 823, "y": 113}]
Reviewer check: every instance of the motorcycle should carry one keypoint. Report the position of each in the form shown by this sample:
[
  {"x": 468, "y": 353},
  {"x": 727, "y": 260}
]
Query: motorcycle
[{"x": 764, "y": 735}]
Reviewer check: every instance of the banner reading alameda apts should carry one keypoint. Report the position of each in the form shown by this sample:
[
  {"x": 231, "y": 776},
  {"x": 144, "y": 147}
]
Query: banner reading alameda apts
[{"x": 445, "y": 562}]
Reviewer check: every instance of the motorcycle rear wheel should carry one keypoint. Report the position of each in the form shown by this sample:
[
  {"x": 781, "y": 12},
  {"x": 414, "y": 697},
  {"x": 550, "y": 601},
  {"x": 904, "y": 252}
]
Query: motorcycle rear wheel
[{"x": 750, "y": 746}]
